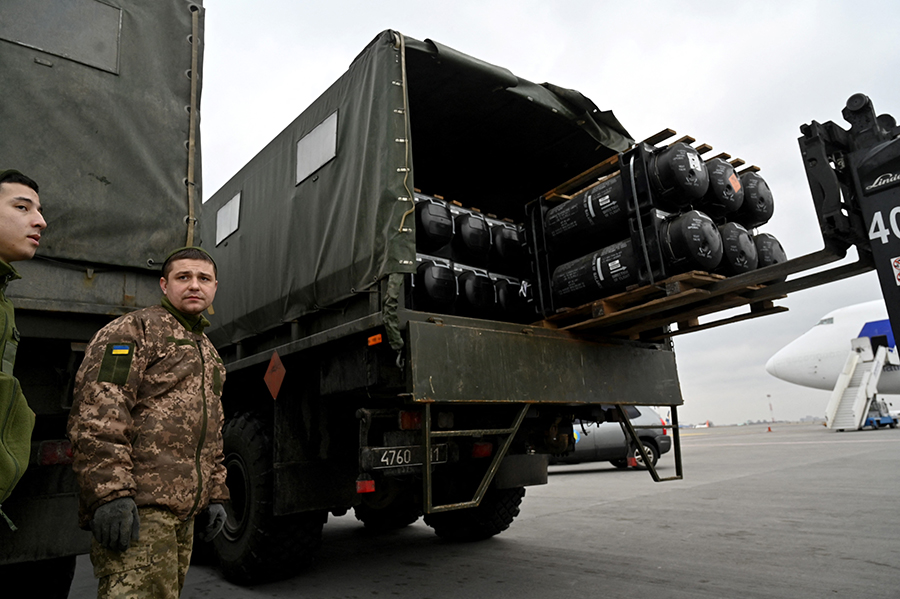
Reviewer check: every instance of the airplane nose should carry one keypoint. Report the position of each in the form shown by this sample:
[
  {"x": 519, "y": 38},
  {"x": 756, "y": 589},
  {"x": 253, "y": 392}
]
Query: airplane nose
[{"x": 772, "y": 366}]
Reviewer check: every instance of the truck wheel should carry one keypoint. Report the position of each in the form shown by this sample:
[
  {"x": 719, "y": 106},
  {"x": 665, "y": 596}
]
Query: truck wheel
[
  {"x": 494, "y": 515},
  {"x": 256, "y": 545}
]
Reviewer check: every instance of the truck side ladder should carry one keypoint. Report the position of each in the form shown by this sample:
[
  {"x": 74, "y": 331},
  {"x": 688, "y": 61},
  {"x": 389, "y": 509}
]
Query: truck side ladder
[
  {"x": 429, "y": 435},
  {"x": 856, "y": 387}
]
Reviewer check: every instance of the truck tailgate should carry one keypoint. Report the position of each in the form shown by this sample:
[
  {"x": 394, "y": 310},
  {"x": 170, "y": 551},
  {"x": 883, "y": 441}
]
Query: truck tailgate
[{"x": 457, "y": 363}]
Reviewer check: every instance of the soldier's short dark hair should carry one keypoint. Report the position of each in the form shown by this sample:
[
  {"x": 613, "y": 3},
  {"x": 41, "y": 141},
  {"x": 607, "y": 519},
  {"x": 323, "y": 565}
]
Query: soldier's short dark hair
[
  {"x": 188, "y": 253},
  {"x": 14, "y": 176}
]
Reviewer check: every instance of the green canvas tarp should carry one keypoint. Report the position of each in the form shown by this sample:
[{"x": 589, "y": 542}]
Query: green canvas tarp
[
  {"x": 96, "y": 108},
  {"x": 325, "y": 210}
]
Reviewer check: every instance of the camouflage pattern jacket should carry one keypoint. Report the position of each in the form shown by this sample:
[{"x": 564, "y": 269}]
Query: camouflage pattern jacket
[{"x": 147, "y": 418}]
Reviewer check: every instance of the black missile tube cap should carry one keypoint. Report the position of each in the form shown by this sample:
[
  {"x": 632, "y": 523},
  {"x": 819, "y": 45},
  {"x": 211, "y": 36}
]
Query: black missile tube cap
[
  {"x": 770, "y": 252},
  {"x": 678, "y": 175},
  {"x": 739, "y": 253},
  {"x": 434, "y": 225},
  {"x": 435, "y": 285},
  {"x": 758, "y": 206},
  {"x": 692, "y": 238},
  {"x": 476, "y": 293},
  {"x": 725, "y": 193},
  {"x": 769, "y": 249},
  {"x": 506, "y": 242},
  {"x": 472, "y": 239}
]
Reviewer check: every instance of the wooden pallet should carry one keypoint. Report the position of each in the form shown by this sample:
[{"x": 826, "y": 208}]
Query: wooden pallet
[{"x": 643, "y": 312}]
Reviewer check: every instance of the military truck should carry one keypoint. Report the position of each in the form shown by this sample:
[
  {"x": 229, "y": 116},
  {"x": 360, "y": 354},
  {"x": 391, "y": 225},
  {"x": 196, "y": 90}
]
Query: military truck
[
  {"x": 104, "y": 118},
  {"x": 389, "y": 309},
  {"x": 371, "y": 365}
]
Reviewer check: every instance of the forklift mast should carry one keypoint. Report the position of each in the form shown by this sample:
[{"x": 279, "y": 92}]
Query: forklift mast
[{"x": 854, "y": 177}]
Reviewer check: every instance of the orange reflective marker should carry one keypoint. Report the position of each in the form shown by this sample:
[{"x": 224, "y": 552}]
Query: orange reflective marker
[{"x": 274, "y": 375}]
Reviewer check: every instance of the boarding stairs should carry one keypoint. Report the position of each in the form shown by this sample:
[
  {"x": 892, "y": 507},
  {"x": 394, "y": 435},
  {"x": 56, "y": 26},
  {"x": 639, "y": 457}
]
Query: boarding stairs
[{"x": 857, "y": 385}]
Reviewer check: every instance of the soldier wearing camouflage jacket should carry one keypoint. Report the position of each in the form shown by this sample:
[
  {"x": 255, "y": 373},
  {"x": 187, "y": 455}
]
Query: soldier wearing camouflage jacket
[
  {"x": 147, "y": 419},
  {"x": 146, "y": 429}
]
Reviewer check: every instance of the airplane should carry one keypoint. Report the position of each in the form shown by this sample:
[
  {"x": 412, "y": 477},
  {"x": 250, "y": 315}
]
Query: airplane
[{"x": 816, "y": 358}]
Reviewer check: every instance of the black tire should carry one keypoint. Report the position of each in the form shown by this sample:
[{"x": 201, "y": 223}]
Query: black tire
[
  {"x": 621, "y": 463},
  {"x": 652, "y": 451},
  {"x": 255, "y": 545},
  {"x": 492, "y": 516}
]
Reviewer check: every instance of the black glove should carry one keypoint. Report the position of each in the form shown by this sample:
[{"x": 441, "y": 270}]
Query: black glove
[
  {"x": 216, "y": 514},
  {"x": 116, "y": 523}
]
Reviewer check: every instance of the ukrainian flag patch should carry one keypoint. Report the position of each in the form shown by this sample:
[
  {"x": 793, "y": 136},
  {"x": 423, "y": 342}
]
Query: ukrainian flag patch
[{"x": 116, "y": 364}]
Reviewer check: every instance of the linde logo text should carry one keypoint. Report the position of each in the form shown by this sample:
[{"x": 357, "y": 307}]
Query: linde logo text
[{"x": 884, "y": 180}]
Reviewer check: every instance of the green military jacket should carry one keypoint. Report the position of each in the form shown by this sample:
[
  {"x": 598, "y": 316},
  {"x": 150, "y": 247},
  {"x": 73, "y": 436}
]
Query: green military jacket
[
  {"x": 146, "y": 421},
  {"x": 16, "y": 418}
]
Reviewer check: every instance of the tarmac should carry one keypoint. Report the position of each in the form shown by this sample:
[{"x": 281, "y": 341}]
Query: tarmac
[{"x": 798, "y": 512}]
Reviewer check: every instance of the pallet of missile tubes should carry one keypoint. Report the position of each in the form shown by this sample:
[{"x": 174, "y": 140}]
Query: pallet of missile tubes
[
  {"x": 469, "y": 263},
  {"x": 648, "y": 239}
]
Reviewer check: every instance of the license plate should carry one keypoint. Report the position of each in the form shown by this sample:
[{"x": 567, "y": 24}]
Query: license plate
[{"x": 378, "y": 458}]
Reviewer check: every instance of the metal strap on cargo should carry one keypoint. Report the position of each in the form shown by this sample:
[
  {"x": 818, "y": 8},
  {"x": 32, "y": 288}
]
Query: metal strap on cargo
[
  {"x": 632, "y": 436},
  {"x": 195, "y": 111},
  {"x": 640, "y": 225},
  {"x": 510, "y": 432},
  {"x": 400, "y": 42}
]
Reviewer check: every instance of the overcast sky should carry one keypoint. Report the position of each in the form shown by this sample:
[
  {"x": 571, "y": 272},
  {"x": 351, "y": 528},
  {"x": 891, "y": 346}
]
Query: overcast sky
[{"x": 741, "y": 77}]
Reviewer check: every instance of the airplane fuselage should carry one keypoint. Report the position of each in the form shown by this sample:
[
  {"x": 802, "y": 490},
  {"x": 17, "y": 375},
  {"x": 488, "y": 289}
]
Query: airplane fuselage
[{"x": 816, "y": 358}]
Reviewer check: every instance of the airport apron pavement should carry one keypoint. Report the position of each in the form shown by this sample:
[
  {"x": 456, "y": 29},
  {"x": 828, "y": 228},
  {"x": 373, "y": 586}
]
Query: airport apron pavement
[{"x": 798, "y": 512}]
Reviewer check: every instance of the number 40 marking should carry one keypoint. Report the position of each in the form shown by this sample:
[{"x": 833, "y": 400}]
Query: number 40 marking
[{"x": 879, "y": 231}]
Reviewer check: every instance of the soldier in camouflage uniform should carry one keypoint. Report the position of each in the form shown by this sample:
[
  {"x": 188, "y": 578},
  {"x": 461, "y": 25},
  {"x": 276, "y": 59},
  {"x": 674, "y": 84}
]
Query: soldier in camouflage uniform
[
  {"x": 21, "y": 223},
  {"x": 146, "y": 427}
]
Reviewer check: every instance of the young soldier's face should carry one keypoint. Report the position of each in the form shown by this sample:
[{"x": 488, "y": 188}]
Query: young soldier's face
[
  {"x": 190, "y": 286},
  {"x": 21, "y": 222}
]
